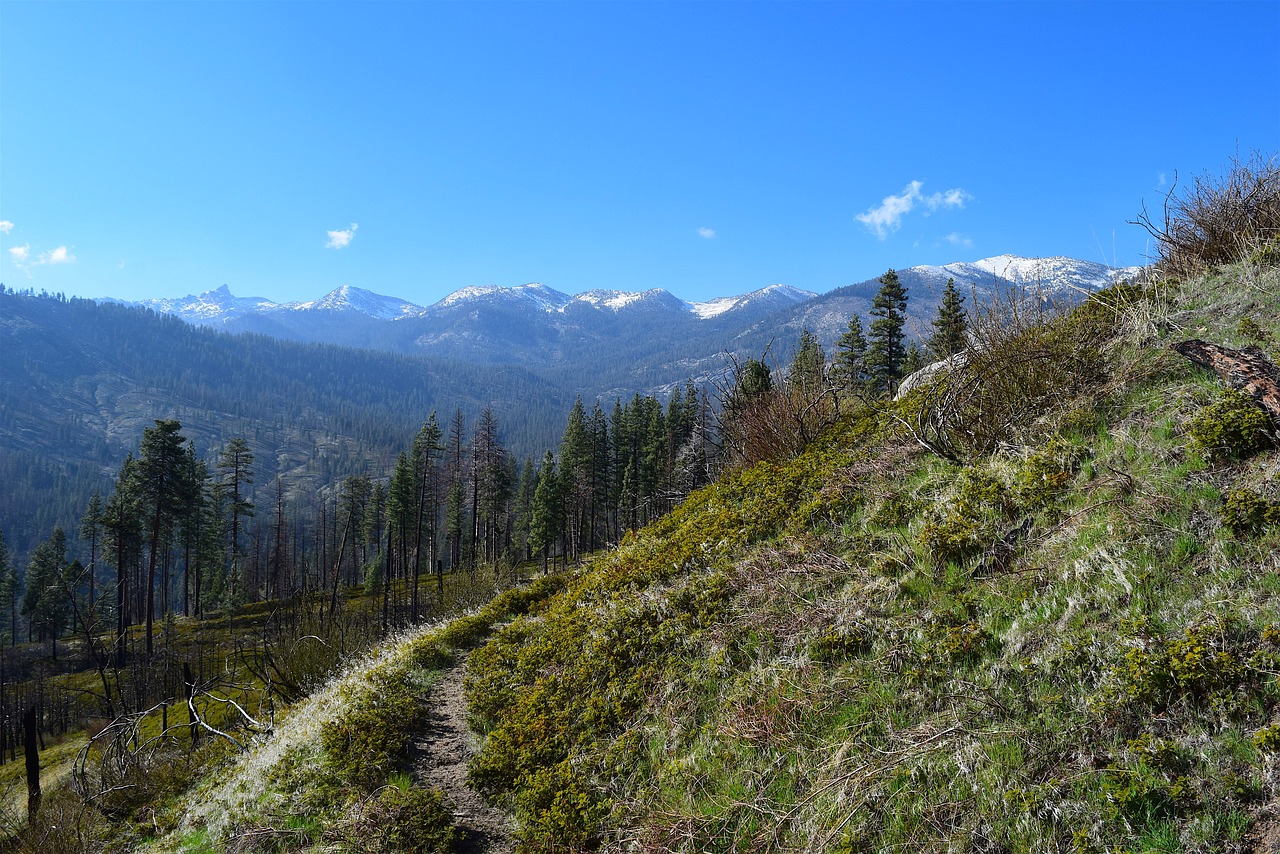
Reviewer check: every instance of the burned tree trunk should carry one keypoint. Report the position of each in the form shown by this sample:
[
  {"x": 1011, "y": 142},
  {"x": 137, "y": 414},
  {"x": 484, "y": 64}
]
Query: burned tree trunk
[
  {"x": 32, "y": 750},
  {"x": 1248, "y": 371}
]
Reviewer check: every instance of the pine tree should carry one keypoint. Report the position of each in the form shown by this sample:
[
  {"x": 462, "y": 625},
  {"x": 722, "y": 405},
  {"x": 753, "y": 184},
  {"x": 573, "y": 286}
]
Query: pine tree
[
  {"x": 47, "y": 603},
  {"x": 236, "y": 464},
  {"x": 91, "y": 533},
  {"x": 886, "y": 350},
  {"x": 575, "y": 476},
  {"x": 850, "y": 369},
  {"x": 10, "y": 590},
  {"x": 165, "y": 489},
  {"x": 544, "y": 522},
  {"x": 913, "y": 361},
  {"x": 949, "y": 326},
  {"x": 808, "y": 368}
]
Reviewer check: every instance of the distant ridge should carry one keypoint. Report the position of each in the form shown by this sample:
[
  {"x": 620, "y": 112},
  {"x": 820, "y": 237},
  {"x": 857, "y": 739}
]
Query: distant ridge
[{"x": 613, "y": 341}]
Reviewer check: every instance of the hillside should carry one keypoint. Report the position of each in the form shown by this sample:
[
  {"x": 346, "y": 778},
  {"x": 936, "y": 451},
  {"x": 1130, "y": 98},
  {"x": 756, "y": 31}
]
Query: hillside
[
  {"x": 1066, "y": 639},
  {"x": 1066, "y": 642},
  {"x": 82, "y": 380}
]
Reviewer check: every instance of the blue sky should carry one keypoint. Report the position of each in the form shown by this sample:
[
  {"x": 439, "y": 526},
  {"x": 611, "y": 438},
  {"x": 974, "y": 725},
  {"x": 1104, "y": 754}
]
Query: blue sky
[{"x": 711, "y": 148}]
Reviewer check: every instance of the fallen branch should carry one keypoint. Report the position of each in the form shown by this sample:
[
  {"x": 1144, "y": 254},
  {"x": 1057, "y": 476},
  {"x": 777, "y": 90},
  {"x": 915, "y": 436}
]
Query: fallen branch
[{"x": 1248, "y": 371}]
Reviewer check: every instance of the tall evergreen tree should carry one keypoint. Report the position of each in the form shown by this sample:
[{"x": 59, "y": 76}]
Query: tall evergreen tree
[
  {"x": 807, "y": 375},
  {"x": 950, "y": 325},
  {"x": 10, "y": 590},
  {"x": 165, "y": 489},
  {"x": 123, "y": 526},
  {"x": 913, "y": 361},
  {"x": 850, "y": 369},
  {"x": 425, "y": 498},
  {"x": 47, "y": 602},
  {"x": 546, "y": 515},
  {"x": 91, "y": 533},
  {"x": 492, "y": 486},
  {"x": 576, "y": 476},
  {"x": 236, "y": 464},
  {"x": 523, "y": 511},
  {"x": 886, "y": 348}
]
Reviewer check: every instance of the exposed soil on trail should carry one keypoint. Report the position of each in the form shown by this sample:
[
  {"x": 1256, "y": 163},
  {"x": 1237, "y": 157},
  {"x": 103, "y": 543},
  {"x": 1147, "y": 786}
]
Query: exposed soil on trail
[{"x": 440, "y": 760}]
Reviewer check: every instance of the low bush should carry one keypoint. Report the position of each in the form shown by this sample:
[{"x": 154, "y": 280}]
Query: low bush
[
  {"x": 371, "y": 737},
  {"x": 1232, "y": 428},
  {"x": 1025, "y": 360},
  {"x": 412, "y": 819},
  {"x": 1219, "y": 219}
]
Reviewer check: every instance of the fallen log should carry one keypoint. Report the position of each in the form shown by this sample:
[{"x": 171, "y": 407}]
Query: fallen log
[{"x": 1248, "y": 371}]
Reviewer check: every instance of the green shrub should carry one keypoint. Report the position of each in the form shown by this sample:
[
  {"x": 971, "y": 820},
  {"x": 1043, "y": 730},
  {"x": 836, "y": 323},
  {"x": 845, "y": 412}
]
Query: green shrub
[
  {"x": 1231, "y": 428},
  {"x": 1267, "y": 255},
  {"x": 411, "y": 819},
  {"x": 1246, "y": 512},
  {"x": 1251, "y": 329},
  {"x": 1046, "y": 472},
  {"x": 371, "y": 737},
  {"x": 1267, "y": 739},
  {"x": 1025, "y": 362}
]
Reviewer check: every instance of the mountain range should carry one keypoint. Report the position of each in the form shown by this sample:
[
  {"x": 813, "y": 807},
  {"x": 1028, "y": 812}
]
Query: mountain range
[{"x": 630, "y": 341}]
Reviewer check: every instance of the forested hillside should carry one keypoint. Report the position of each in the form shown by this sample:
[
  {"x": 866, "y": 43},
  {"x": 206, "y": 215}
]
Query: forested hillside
[
  {"x": 1023, "y": 601},
  {"x": 83, "y": 380},
  {"x": 1029, "y": 606}
]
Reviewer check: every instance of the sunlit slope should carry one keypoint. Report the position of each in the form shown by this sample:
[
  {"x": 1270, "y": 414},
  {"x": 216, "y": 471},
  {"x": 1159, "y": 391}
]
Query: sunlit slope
[{"x": 1065, "y": 641}]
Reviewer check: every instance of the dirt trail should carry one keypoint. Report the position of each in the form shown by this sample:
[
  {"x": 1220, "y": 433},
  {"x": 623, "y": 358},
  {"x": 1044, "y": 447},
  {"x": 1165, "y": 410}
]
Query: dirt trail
[{"x": 441, "y": 755}]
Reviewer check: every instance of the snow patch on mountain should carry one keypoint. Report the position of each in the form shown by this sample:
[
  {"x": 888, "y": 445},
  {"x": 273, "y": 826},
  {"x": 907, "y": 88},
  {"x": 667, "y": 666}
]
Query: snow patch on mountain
[
  {"x": 350, "y": 298},
  {"x": 782, "y": 295},
  {"x": 209, "y": 308},
  {"x": 1054, "y": 275},
  {"x": 541, "y": 296}
]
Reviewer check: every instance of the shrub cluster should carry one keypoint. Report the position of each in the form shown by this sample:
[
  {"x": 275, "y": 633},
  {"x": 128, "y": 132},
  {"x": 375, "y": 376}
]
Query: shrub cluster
[
  {"x": 1220, "y": 219},
  {"x": 1245, "y": 512},
  {"x": 1025, "y": 359},
  {"x": 1232, "y": 428}
]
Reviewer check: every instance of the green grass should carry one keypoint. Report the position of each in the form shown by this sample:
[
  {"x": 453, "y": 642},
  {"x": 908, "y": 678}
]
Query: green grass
[{"x": 863, "y": 670}]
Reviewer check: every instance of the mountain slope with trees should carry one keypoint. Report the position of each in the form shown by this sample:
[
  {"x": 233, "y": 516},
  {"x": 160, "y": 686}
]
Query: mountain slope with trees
[{"x": 1026, "y": 605}]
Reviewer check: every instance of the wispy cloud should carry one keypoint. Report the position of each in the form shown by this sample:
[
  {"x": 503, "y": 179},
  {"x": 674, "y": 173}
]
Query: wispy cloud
[
  {"x": 706, "y": 233},
  {"x": 21, "y": 257},
  {"x": 342, "y": 238},
  {"x": 957, "y": 239},
  {"x": 887, "y": 217},
  {"x": 61, "y": 255},
  {"x": 5, "y": 226}
]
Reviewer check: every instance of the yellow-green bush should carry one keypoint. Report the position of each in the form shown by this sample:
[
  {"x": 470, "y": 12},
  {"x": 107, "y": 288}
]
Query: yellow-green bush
[
  {"x": 412, "y": 819},
  {"x": 372, "y": 735},
  {"x": 1231, "y": 428},
  {"x": 1246, "y": 512}
]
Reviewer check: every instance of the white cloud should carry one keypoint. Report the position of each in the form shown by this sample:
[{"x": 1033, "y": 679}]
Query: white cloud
[
  {"x": 61, "y": 255},
  {"x": 957, "y": 239},
  {"x": 887, "y": 217},
  {"x": 706, "y": 233},
  {"x": 954, "y": 198},
  {"x": 1161, "y": 180},
  {"x": 21, "y": 257},
  {"x": 5, "y": 226},
  {"x": 342, "y": 238}
]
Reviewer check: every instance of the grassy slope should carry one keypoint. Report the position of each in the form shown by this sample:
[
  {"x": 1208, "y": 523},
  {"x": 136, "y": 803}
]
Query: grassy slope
[
  {"x": 835, "y": 654},
  {"x": 832, "y": 653}
]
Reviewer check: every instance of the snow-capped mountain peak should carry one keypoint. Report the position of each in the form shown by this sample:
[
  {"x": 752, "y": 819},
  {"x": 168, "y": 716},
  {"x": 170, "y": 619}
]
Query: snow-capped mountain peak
[
  {"x": 780, "y": 295},
  {"x": 535, "y": 293},
  {"x": 1055, "y": 275},
  {"x": 353, "y": 299}
]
